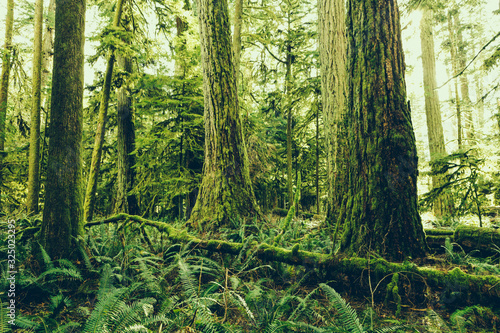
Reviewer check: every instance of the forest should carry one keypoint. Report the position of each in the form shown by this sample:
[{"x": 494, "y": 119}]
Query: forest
[{"x": 267, "y": 166}]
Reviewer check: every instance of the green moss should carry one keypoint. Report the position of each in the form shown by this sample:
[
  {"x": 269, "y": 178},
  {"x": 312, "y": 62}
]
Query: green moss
[{"x": 392, "y": 292}]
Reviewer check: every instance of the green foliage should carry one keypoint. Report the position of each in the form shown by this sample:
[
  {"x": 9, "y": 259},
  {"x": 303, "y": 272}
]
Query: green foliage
[
  {"x": 349, "y": 320},
  {"x": 463, "y": 180}
]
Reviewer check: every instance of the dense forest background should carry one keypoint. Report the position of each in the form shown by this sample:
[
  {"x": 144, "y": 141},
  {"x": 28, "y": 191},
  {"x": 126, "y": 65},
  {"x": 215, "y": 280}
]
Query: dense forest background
[{"x": 222, "y": 174}]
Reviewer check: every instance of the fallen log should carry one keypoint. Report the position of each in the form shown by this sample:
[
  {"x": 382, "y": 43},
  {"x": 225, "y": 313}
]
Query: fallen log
[
  {"x": 474, "y": 288},
  {"x": 485, "y": 240}
]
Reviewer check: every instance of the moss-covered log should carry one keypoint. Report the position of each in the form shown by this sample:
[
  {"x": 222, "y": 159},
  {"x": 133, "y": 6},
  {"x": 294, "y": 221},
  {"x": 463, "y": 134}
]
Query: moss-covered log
[
  {"x": 485, "y": 240},
  {"x": 483, "y": 288},
  {"x": 482, "y": 239}
]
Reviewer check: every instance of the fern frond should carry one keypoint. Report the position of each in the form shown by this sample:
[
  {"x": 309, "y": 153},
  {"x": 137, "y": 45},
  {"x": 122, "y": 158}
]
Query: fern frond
[
  {"x": 46, "y": 258},
  {"x": 348, "y": 316},
  {"x": 107, "y": 306},
  {"x": 4, "y": 319},
  {"x": 59, "y": 274}
]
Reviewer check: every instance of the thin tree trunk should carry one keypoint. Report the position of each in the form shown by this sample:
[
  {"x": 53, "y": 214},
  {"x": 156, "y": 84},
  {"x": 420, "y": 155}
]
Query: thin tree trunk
[
  {"x": 238, "y": 12},
  {"x": 454, "y": 65},
  {"x": 437, "y": 148},
  {"x": 4, "y": 84},
  {"x": 95, "y": 165},
  {"x": 464, "y": 83},
  {"x": 34, "y": 152},
  {"x": 62, "y": 214},
  {"x": 333, "y": 49},
  {"x": 289, "y": 129},
  {"x": 381, "y": 212},
  {"x": 125, "y": 202},
  {"x": 226, "y": 189},
  {"x": 317, "y": 160}
]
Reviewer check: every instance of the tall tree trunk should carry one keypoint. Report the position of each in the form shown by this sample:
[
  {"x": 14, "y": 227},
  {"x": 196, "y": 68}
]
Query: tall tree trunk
[
  {"x": 95, "y": 165},
  {"x": 333, "y": 49},
  {"x": 317, "y": 159},
  {"x": 125, "y": 202},
  {"x": 34, "y": 152},
  {"x": 381, "y": 212},
  {"x": 437, "y": 148},
  {"x": 48, "y": 46},
  {"x": 62, "y": 214},
  {"x": 226, "y": 190},
  {"x": 4, "y": 84},
  {"x": 238, "y": 12},
  {"x": 289, "y": 118},
  {"x": 464, "y": 82},
  {"x": 480, "y": 103},
  {"x": 454, "y": 66}
]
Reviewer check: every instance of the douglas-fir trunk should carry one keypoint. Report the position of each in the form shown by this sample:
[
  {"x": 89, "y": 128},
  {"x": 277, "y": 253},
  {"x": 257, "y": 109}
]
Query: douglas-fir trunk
[
  {"x": 381, "y": 213},
  {"x": 226, "y": 191}
]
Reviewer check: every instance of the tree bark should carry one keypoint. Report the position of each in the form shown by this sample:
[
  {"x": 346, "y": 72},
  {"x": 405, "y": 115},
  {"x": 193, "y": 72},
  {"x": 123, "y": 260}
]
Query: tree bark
[
  {"x": 226, "y": 190},
  {"x": 381, "y": 212},
  {"x": 62, "y": 215},
  {"x": 34, "y": 152},
  {"x": 437, "y": 149},
  {"x": 454, "y": 66},
  {"x": 95, "y": 165},
  {"x": 125, "y": 202},
  {"x": 333, "y": 48},
  {"x": 464, "y": 83},
  {"x": 4, "y": 84},
  {"x": 238, "y": 12}
]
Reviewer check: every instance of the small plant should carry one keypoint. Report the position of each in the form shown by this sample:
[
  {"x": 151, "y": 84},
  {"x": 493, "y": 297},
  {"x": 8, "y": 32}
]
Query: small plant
[{"x": 349, "y": 320}]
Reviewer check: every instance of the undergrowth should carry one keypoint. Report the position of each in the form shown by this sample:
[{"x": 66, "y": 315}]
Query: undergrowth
[{"x": 130, "y": 278}]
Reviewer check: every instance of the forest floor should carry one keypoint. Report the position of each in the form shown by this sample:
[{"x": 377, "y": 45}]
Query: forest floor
[{"x": 133, "y": 275}]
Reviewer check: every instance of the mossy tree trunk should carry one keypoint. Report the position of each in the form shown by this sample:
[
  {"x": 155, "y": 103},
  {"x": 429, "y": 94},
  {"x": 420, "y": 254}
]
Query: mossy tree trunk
[
  {"x": 4, "y": 83},
  {"x": 381, "y": 213},
  {"x": 34, "y": 152},
  {"x": 95, "y": 164},
  {"x": 125, "y": 202},
  {"x": 62, "y": 214},
  {"x": 333, "y": 48},
  {"x": 437, "y": 149},
  {"x": 226, "y": 190}
]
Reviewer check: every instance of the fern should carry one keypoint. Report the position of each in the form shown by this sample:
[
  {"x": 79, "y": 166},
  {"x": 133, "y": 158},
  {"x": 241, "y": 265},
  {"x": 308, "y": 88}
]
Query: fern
[
  {"x": 4, "y": 319},
  {"x": 348, "y": 316}
]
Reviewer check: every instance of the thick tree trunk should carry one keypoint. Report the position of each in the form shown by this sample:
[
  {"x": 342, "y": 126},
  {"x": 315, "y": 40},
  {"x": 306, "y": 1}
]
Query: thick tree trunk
[
  {"x": 62, "y": 214},
  {"x": 437, "y": 149},
  {"x": 95, "y": 165},
  {"x": 125, "y": 202},
  {"x": 34, "y": 152},
  {"x": 226, "y": 190},
  {"x": 381, "y": 212},
  {"x": 333, "y": 48},
  {"x": 4, "y": 83}
]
